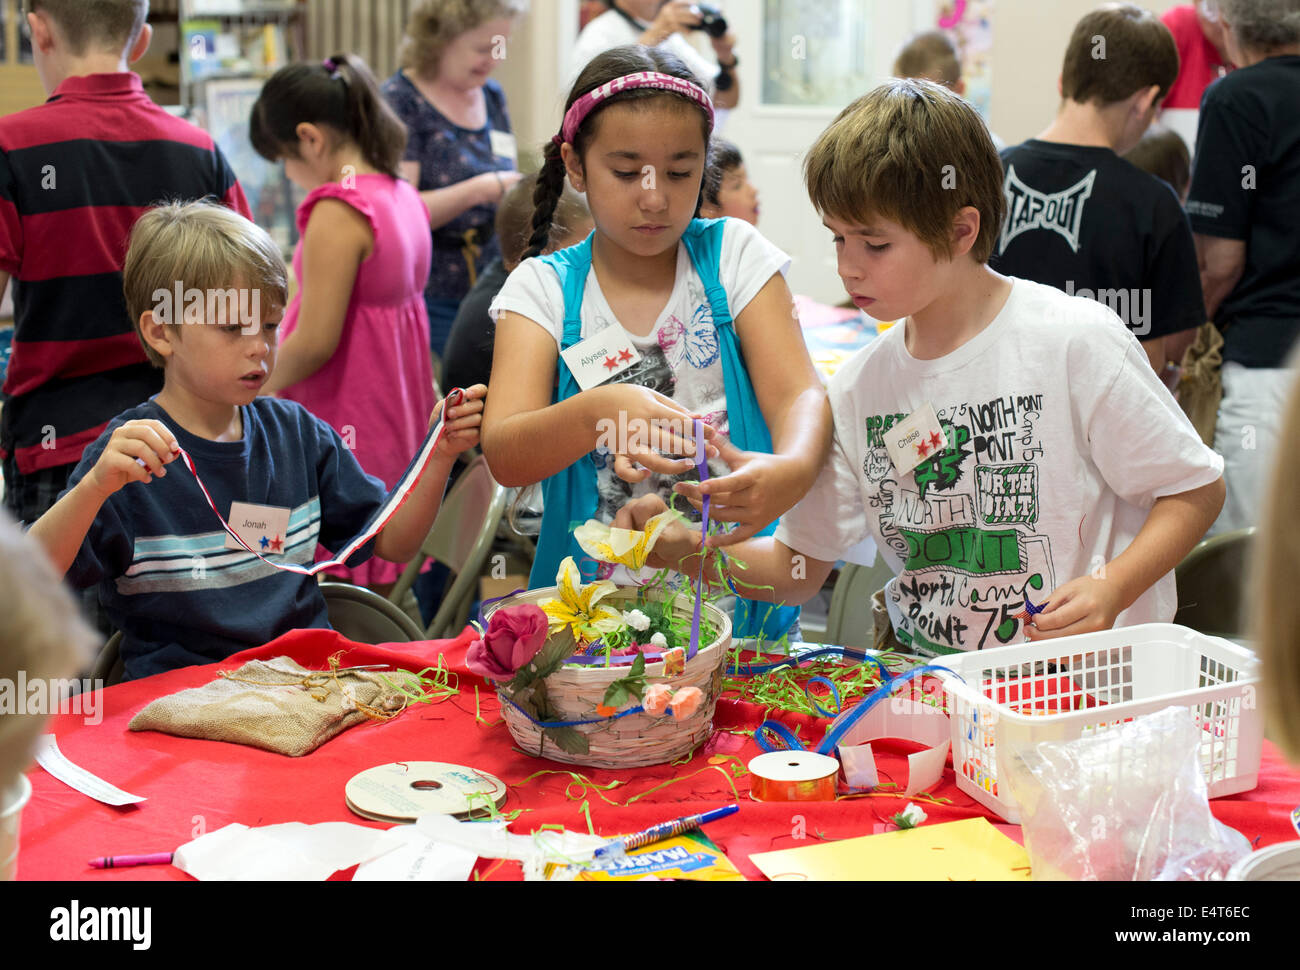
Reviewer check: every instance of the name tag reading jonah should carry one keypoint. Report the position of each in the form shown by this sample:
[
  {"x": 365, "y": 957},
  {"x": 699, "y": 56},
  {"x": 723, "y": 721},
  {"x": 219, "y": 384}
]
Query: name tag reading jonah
[
  {"x": 595, "y": 360},
  {"x": 264, "y": 527},
  {"x": 915, "y": 439}
]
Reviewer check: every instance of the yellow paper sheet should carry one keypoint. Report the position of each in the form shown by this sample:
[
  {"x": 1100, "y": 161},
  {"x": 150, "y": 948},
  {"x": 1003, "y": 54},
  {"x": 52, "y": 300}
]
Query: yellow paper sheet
[{"x": 965, "y": 850}]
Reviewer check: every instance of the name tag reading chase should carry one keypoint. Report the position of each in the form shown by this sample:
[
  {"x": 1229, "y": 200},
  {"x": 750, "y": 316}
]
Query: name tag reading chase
[
  {"x": 595, "y": 360},
  {"x": 915, "y": 439},
  {"x": 264, "y": 527}
]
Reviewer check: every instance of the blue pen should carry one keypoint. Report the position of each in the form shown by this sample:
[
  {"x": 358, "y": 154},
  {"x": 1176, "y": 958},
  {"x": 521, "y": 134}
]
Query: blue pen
[{"x": 664, "y": 830}]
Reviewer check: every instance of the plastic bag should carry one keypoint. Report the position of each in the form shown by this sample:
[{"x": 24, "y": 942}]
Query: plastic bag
[{"x": 1129, "y": 803}]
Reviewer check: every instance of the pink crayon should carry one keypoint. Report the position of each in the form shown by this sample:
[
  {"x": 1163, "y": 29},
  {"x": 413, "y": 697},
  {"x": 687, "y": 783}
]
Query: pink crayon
[{"x": 122, "y": 861}]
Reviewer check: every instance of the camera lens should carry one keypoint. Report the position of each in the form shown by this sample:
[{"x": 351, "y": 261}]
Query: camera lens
[{"x": 712, "y": 22}]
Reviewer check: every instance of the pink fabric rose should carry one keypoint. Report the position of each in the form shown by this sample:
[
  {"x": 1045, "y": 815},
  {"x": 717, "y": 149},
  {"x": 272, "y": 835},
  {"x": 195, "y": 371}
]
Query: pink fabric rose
[
  {"x": 656, "y": 697},
  {"x": 514, "y": 636},
  {"x": 686, "y": 702}
]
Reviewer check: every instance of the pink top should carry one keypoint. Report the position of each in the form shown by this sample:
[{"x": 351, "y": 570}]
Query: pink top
[{"x": 377, "y": 389}]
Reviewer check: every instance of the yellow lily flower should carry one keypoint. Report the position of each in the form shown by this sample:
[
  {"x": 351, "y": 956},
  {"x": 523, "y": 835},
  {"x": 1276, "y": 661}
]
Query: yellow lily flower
[
  {"x": 628, "y": 547},
  {"x": 578, "y": 606}
]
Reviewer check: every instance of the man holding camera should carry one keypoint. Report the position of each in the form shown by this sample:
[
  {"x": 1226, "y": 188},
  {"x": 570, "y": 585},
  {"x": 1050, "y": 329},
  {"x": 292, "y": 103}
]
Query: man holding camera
[{"x": 664, "y": 23}]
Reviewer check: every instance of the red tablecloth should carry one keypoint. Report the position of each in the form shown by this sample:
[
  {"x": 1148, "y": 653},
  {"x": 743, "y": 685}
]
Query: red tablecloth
[{"x": 196, "y": 786}]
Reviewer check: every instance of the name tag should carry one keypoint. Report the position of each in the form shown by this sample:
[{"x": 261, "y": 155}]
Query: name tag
[
  {"x": 595, "y": 360},
  {"x": 264, "y": 527},
  {"x": 503, "y": 145},
  {"x": 915, "y": 439}
]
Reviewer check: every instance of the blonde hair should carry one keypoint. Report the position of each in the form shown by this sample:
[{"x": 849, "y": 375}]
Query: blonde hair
[
  {"x": 43, "y": 636},
  {"x": 198, "y": 246},
  {"x": 913, "y": 152},
  {"x": 110, "y": 25},
  {"x": 1276, "y": 612},
  {"x": 436, "y": 23}
]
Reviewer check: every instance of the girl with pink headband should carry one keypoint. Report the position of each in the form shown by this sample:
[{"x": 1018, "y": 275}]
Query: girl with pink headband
[{"x": 607, "y": 351}]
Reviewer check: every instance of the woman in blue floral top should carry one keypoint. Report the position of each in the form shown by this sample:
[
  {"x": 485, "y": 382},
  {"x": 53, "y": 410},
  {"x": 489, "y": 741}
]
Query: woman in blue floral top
[{"x": 461, "y": 152}]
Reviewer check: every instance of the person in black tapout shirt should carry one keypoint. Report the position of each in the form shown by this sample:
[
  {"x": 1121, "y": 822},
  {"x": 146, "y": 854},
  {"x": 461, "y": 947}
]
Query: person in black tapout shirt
[
  {"x": 1086, "y": 221},
  {"x": 1244, "y": 206}
]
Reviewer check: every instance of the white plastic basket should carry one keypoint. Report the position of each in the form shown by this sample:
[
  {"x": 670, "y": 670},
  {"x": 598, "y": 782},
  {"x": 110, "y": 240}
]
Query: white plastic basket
[{"x": 1062, "y": 690}]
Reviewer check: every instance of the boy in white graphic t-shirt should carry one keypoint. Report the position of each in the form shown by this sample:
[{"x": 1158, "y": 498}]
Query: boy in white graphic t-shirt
[{"x": 1054, "y": 471}]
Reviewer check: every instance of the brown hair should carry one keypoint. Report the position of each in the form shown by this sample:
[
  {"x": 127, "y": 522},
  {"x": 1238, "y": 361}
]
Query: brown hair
[
  {"x": 913, "y": 152},
  {"x": 724, "y": 157},
  {"x": 614, "y": 63},
  {"x": 436, "y": 23},
  {"x": 340, "y": 93},
  {"x": 198, "y": 246},
  {"x": 1116, "y": 51},
  {"x": 1276, "y": 613},
  {"x": 930, "y": 55},
  {"x": 109, "y": 25},
  {"x": 1163, "y": 153},
  {"x": 514, "y": 222}
]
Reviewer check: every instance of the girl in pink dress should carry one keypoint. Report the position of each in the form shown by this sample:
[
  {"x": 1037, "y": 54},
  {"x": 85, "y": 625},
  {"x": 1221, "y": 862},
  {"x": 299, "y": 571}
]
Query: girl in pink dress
[{"x": 355, "y": 338}]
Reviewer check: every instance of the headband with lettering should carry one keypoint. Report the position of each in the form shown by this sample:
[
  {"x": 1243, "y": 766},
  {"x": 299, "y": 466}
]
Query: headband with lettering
[{"x": 578, "y": 112}]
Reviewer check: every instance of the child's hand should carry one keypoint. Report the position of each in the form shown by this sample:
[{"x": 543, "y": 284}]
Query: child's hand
[
  {"x": 463, "y": 422},
  {"x": 136, "y": 452},
  {"x": 1083, "y": 605},
  {"x": 675, "y": 543},
  {"x": 760, "y": 489},
  {"x": 636, "y": 424}
]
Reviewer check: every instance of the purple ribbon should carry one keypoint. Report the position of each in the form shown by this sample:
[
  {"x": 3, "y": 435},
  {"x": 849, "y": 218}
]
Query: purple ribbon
[{"x": 702, "y": 466}]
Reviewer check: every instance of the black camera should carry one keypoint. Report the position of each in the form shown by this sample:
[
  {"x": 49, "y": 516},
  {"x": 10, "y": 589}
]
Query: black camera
[{"x": 711, "y": 21}]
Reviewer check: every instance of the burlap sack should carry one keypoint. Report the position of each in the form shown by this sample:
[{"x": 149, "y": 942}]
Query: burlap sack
[
  {"x": 272, "y": 704},
  {"x": 1200, "y": 389}
]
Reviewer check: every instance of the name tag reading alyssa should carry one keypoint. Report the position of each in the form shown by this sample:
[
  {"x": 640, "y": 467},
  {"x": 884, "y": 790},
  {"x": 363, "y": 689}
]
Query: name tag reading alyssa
[
  {"x": 503, "y": 144},
  {"x": 264, "y": 527},
  {"x": 915, "y": 439},
  {"x": 595, "y": 360}
]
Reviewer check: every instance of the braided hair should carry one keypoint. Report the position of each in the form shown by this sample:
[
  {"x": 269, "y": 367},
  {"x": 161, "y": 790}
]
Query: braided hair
[{"x": 612, "y": 64}]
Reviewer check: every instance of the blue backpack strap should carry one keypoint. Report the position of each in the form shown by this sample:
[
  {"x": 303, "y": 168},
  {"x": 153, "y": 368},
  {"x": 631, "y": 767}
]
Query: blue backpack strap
[
  {"x": 749, "y": 431},
  {"x": 569, "y": 496}
]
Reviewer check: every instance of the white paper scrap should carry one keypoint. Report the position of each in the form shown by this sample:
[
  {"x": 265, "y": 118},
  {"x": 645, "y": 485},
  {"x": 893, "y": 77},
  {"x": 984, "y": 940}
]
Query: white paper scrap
[
  {"x": 290, "y": 851},
  {"x": 49, "y": 757},
  {"x": 415, "y": 858},
  {"x": 490, "y": 840}
]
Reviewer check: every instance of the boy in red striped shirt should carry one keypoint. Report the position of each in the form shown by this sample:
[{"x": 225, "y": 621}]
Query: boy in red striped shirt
[{"x": 75, "y": 174}]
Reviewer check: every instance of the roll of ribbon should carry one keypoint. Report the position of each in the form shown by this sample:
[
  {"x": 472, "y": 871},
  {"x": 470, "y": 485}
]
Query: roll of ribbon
[{"x": 793, "y": 776}]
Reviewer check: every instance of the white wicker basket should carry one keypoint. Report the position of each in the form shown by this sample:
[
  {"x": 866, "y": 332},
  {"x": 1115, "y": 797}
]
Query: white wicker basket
[{"x": 638, "y": 739}]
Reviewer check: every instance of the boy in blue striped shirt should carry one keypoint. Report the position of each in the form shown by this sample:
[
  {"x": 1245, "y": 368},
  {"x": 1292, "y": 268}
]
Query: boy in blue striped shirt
[{"x": 206, "y": 289}]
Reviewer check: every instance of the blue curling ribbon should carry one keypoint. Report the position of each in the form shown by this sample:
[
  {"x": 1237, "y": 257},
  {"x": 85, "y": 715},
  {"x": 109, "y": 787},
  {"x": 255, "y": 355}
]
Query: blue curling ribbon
[
  {"x": 832, "y": 739},
  {"x": 751, "y": 670},
  {"x": 835, "y": 693}
]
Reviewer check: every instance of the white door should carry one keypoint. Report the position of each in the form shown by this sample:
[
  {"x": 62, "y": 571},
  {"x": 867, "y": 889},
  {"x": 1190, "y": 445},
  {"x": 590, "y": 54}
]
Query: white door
[{"x": 801, "y": 63}]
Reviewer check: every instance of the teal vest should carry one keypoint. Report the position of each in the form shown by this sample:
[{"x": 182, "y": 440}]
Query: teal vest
[{"x": 570, "y": 495}]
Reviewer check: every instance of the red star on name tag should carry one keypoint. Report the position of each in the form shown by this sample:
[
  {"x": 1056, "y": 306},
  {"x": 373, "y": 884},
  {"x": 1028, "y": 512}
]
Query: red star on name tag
[
  {"x": 935, "y": 440},
  {"x": 277, "y": 544},
  {"x": 625, "y": 355},
  {"x": 610, "y": 363},
  {"x": 922, "y": 450}
]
